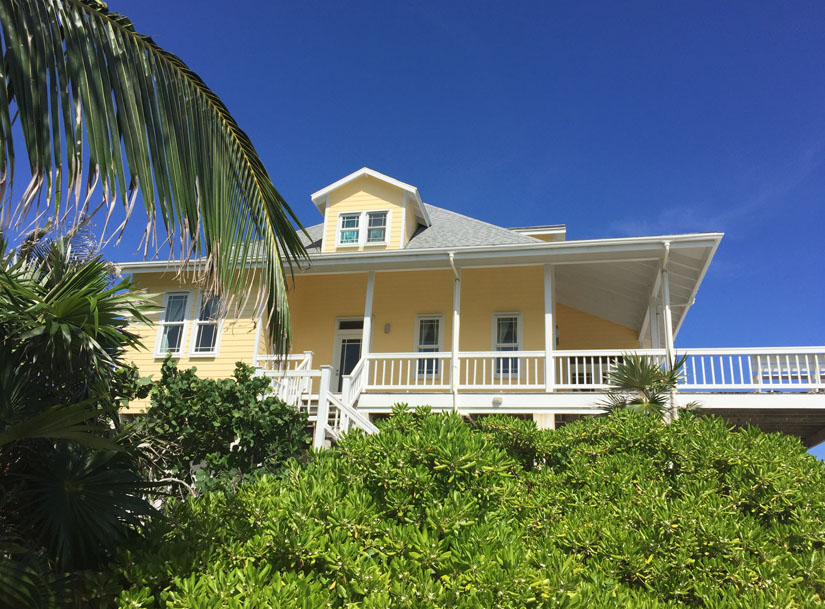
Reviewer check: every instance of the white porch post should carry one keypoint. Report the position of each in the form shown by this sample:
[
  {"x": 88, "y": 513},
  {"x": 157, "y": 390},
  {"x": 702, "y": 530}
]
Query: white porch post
[
  {"x": 454, "y": 367},
  {"x": 549, "y": 327},
  {"x": 653, "y": 313},
  {"x": 366, "y": 337},
  {"x": 322, "y": 418},
  {"x": 668, "y": 318}
]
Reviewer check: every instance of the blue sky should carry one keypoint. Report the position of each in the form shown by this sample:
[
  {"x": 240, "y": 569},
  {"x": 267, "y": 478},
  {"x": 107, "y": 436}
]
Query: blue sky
[{"x": 616, "y": 119}]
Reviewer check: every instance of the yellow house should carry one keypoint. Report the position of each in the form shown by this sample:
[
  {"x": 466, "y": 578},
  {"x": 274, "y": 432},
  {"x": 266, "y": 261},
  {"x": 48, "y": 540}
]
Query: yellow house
[{"x": 403, "y": 301}]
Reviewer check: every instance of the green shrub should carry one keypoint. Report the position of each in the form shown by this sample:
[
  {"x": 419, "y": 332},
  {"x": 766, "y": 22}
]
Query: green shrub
[
  {"x": 209, "y": 433},
  {"x": 620, "y": 511}
]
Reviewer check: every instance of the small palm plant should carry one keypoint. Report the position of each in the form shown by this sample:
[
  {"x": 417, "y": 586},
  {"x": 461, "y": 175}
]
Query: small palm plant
[{"x": 642, "y": 384}]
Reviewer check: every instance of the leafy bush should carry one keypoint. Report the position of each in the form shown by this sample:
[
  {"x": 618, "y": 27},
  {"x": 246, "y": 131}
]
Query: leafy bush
[
  {"x": 622, "y": 511},
  {"x": 209, "y": 432}
]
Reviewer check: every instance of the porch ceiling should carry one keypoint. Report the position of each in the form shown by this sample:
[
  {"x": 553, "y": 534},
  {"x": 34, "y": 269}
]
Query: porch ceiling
[{"x": 620, "y": 290}]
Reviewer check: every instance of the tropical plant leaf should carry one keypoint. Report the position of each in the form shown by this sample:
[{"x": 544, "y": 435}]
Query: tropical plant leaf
[
  {"x": 94, "y": 97},
  {"x": 62, "y": 423}
]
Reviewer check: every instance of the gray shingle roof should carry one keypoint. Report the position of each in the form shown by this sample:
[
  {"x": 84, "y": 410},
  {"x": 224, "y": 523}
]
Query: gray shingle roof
[
  {"x": 316, "y": 233},
  {"x": 448, "y": 229}
]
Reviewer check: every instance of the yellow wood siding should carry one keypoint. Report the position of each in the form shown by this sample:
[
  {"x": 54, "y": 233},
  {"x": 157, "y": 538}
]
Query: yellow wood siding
[
  {"x": 580, "y": 330},
  {"x": 412, "y": 223},
  {"x": 400, "y": 297},
  {"x": 236, "y": 339},
  {"x": 315, "y": 302},
  {"x": 364, "y": 194}
]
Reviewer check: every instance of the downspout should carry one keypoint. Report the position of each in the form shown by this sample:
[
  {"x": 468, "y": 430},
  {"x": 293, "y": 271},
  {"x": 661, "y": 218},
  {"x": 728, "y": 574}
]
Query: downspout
[
  {"x": 455, "y": 326},
  {"x": 452, "y": 265}
]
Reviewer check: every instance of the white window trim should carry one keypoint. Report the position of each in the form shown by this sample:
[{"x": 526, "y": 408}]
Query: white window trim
[
  {"x": 162, "y": 323},
  {"x": 494, "y": 335},
  {"x": 339, "y": 224},
  {"x": 194, "y": 333},
  {"x": 439, "y": 346},
  {"x": 416, "y": 339},
  {"x": 363, "y": 228}
]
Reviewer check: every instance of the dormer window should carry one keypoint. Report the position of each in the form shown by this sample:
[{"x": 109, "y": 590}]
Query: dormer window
[{"x": 375, "y": 224}]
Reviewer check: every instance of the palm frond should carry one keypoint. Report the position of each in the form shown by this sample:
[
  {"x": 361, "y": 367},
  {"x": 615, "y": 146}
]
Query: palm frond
[
  {"x": 94, "y": 97},
  {"x": 640, "y": 383}
]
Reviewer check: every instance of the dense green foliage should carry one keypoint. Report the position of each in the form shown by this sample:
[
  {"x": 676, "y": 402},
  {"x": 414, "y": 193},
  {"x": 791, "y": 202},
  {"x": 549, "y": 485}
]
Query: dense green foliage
[
  {"x": 622, "y": 511},
  {"x": 213, "y": 432},
  {"x": 68, "y": 492}
]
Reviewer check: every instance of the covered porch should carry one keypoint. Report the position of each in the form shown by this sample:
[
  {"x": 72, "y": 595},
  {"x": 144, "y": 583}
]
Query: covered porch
[{"x": 532, "y": 331}]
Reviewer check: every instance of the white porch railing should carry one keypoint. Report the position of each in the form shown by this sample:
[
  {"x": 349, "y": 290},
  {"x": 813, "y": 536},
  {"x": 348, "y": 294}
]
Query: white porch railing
[
  {"x": 501, "y": 370},
  {"x": 407, "y": 371},
  {"x": 760, "y": 369},
  {"x": 751, "y": 369},
  {"x": 789, "y": 369}
]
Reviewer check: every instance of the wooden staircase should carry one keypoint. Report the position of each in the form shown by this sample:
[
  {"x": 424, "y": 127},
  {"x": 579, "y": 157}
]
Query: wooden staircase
[{"x": 330, "y": 415}]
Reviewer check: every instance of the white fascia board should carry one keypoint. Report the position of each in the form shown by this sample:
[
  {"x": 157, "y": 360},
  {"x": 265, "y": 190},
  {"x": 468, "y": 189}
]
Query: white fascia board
[
  {"x": 595, "y": 250},
  {"x": 320, "y": 197},
  {"x": 696, "y": 285},
  {"x": 586, "y": 250}
]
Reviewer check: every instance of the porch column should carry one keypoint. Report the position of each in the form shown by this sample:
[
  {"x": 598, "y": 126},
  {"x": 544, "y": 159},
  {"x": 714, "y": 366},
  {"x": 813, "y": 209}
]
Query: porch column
[
  {"x": 366, "y": 336},
  {"x": 653, "y": 313},
  {"x": 668, "y": 318},
  {"x": 549, "y": 327},
  {"x": 454, "y": 366}
]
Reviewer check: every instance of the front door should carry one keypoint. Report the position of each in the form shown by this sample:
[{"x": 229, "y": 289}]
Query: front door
[{"x": 347, "y": 349}]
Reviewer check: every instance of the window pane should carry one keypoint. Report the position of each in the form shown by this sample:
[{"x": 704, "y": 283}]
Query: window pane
[
  {"x": 349, "y": 236},
  {"x": 376, "y": 235},
  {"x": 351, "y": 324},
  {"x": 428, "y": 332},
  {"x": 377, "y": 220},
  {"x": 176, "y": 307},
  {"x": 205, "y": 341},
  {"x": 349, "y": 221},
  {"x": 210, "y": 308},
  {"x": 507, "y": 331},
  {"x": 170, "y": 339}
]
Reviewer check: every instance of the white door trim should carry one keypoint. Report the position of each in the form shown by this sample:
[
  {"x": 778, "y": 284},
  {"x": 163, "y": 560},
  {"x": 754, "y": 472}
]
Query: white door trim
[{"x": 339, "y": 335}]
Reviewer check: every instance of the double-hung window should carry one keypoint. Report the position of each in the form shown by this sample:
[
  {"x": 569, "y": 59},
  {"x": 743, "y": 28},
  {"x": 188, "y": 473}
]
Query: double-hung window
[
  {"x": 507, "y": 337},
  {"x": 349, "y": 232},
  {"x": 172, "y": 323},
  {"x": 428, "y": 338},
  {"x": 205, "y": 335},
  {"x": 377, "y": 227},
  {"x": 363, "y": 228}
]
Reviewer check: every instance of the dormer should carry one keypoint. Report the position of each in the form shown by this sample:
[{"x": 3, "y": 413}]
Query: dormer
[{"x": 369, "y": 211}]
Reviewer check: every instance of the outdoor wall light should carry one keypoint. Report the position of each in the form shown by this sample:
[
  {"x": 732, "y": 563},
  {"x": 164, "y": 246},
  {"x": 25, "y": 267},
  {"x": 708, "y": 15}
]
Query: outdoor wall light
[
  {"x": 497, "y": 401},
  {"x": 386, "y": 328}
]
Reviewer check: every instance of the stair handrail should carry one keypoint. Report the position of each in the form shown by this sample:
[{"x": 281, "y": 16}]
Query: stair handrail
[{"x": 353, "y": 415}]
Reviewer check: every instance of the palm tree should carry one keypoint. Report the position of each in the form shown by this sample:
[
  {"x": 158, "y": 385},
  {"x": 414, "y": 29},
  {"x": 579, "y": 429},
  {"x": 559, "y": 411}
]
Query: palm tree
[
  {"x": 96, "y": 102},
  {"x": 69, "y": 489},
  {"x": 642, "y": 384}
]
